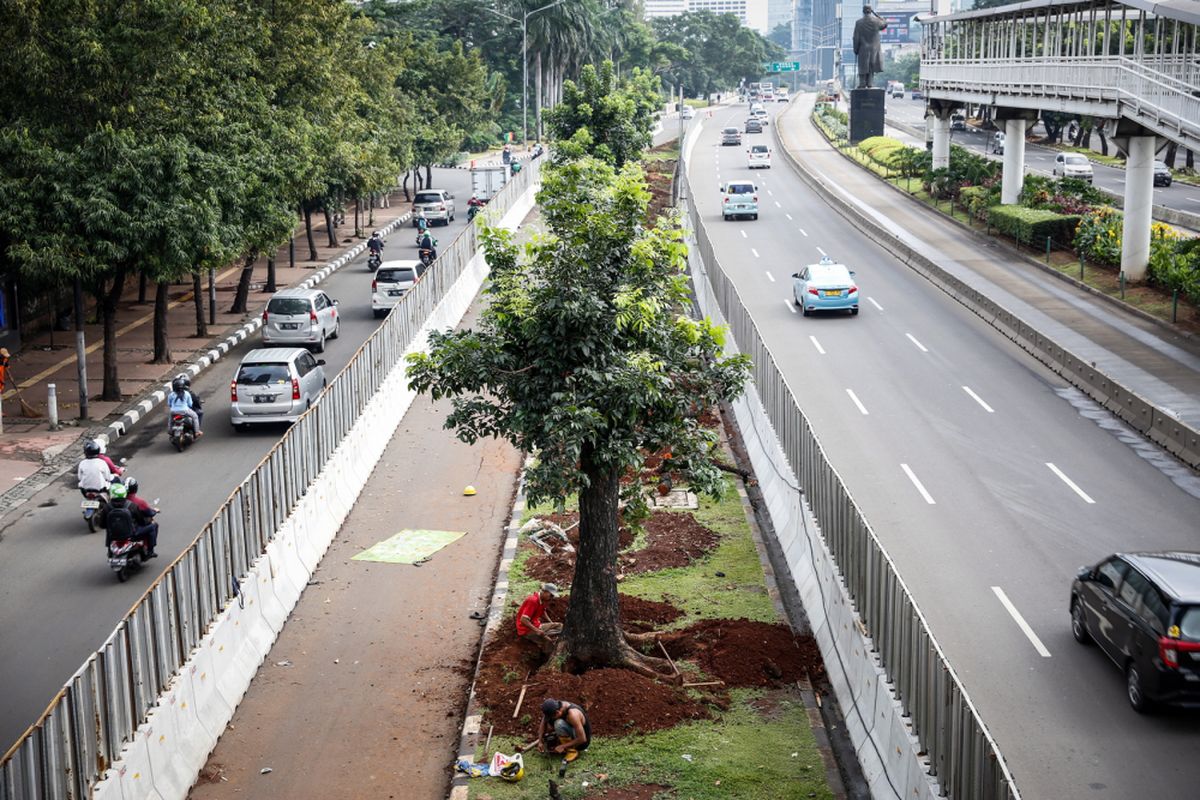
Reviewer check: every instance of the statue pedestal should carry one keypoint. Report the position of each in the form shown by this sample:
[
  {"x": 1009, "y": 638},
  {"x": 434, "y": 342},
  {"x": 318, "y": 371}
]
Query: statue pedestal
[{"x": 866, "y": 113}]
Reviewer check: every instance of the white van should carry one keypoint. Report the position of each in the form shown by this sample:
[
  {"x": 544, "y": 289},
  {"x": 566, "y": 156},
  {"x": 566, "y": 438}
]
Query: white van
[
  {"x": 758, "y": 156},
  {"x": 898, "y": 90}
]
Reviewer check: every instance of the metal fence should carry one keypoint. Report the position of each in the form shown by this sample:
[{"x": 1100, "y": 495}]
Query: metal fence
[
  {"x": 82, "y": 732},
  {"x": 961, "y": 753}
]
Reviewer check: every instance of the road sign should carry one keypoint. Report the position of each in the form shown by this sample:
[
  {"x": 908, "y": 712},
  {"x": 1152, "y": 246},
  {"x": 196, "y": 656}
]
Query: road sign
[{"x": 782, "y": 66}]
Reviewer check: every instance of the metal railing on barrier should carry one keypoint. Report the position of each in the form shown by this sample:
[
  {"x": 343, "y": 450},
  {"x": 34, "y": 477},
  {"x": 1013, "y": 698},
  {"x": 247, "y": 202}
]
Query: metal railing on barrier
[
  {"x": 87, "y": 723},
  {"x": 962, "y": 755}
]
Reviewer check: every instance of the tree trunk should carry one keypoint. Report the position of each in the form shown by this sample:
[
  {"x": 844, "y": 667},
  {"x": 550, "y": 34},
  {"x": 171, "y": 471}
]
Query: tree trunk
[
  {"x": 1190, "y": 160},
  {"x": 198, "y": 300},
  {"x": 592, "y": 635},
  {"x": 329, "y": 226},
  {"x": 162, "y": 342},
  {"x": 1103, "y": 141},
  {"x": 537, "y": 99},
  {"x": 1172, "y": 152},
  {"x": 358, "y": 217},
  {"x": 429, "y": 175},
  {"x": 108, "y": 316},
  {"x": 142, "y": 289},
  {"x": 404, "y": 186},
  {"x": 270, "y": 286},
  {"x": 312, "y": 242},
  {"x": 242, "y": 295}
]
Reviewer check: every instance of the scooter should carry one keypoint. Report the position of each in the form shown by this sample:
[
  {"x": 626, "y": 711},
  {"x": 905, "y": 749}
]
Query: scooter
[
  {"x": 373, "y": 261},
  {"x": 473, "y": 210},
  {"x": 181, "y": 431},
  {"x": 126, "y": 555},
  {"x": 427, "y": 257},
  {"x": 91, "y": 505}
]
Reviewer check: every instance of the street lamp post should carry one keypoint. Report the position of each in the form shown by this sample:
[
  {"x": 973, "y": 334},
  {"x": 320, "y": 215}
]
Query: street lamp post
[{"x": 525, "y": 62}]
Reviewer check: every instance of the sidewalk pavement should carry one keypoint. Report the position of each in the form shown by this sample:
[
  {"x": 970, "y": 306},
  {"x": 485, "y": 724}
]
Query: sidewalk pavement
[
  {"x": 1159, "y": 364},
  {"x": 27, "y": 444},
  {"x": 362, "y": 694}
]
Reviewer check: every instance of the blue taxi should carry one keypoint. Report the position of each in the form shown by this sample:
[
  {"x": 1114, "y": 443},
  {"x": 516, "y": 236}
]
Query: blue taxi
[{"x": 825, "y": 286}]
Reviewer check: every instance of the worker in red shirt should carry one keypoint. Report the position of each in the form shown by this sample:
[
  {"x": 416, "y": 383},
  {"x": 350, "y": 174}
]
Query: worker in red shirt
[{"x": 531, "y": 616}]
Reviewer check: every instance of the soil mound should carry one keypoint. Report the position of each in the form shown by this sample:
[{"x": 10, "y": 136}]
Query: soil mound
[
  {"x": 746, "y": 653},
  {"x": 672, "y": 540},
  {"x": 558, "y": 566},
  {"x": 637, "y": 615}
]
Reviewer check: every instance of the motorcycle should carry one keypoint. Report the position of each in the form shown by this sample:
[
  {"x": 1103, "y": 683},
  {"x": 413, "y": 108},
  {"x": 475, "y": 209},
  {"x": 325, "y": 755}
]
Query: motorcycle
[
  {"x": 126, "y": 555},
  {"x": 427, "y": 257},
  {"x": 473, "y": 210},
  {"x": 181, "y": 431},
  {"x": 373, "y": 261},
  {"x": 92, "y": 503}
]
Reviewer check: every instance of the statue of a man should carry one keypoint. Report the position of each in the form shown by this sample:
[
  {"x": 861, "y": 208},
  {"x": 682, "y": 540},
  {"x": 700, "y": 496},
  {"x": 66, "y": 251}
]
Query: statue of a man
[{"x": 866, "y": 46}]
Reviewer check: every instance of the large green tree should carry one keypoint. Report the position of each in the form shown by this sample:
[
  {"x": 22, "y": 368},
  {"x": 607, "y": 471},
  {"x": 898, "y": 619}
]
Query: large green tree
[
  {"x": 586, "y": 357},
  {"x": 604, "y": 117}
]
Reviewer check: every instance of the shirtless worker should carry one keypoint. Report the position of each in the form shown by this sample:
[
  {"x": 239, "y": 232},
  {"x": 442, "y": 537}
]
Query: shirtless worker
[{"x": 563, "y": 729}]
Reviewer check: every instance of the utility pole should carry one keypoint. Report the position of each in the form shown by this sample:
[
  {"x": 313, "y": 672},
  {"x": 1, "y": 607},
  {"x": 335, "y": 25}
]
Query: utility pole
[
  {"x": 525, "y": 61},
  {"x": 80, "y": 351}
]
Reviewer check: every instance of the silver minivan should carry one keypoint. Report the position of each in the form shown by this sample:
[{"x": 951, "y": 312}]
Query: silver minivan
[
  {"x": 433, "y": 204},
  {"x": 275, "y": 384},
  {"x": 300, "y": 317},
  {"x": 391, "y": 282}
]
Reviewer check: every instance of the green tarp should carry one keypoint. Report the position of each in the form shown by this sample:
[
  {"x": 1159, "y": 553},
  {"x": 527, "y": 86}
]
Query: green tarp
[{"x": 408, "y": 546}]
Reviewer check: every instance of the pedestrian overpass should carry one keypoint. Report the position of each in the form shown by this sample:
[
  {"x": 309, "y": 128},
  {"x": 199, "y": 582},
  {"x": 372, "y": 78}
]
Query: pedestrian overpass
[{"x": 1133, "y": 64}]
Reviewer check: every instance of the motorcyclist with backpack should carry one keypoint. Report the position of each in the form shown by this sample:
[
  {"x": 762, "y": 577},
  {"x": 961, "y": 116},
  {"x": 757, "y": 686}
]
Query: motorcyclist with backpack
[
  {"x": 375, "y": 251},
  {"x": 427, "y": 249},
  {"x": 123, "y": 521}
]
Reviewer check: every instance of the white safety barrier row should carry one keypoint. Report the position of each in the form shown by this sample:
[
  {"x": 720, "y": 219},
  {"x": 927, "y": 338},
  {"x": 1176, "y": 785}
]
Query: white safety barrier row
[{"x": 172, "y": 745}]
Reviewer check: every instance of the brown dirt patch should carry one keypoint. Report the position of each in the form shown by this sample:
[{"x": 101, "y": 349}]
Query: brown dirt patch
[
  {"x": 672, "y": 540},
  {"x": 558, "y": 566},
  {"x": 636, "y": 791},
  {"x": 746, "y": 653},
  {"x": 637, "y": 614}
]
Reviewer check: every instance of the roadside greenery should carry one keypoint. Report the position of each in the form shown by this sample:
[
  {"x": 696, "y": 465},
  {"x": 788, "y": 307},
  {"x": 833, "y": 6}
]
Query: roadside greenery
[{"x": 1071, "y": 213}]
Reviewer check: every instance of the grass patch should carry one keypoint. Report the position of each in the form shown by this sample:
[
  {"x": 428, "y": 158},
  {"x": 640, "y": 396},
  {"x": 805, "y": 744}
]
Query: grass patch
[
  {"x": 696, "y": 589},
  {"x": 741, "y": 755},
  {"x": 696, "y": 103}
]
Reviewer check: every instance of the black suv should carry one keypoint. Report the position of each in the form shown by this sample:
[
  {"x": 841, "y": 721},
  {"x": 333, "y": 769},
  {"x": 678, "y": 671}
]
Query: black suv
[{"x": 1143, "y": 610}]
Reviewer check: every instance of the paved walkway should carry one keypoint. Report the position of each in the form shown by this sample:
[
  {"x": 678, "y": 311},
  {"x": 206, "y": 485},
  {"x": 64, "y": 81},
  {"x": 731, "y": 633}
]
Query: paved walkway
[{"x": 379, "y": 658}]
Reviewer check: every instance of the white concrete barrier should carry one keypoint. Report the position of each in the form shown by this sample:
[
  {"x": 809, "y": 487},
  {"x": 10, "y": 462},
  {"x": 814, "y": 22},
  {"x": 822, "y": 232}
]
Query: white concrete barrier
[{"x": 169, "y": 749}]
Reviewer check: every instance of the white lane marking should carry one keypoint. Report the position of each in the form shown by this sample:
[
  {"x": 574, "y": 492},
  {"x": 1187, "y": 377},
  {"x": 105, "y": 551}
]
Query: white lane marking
[
  {"x": 817, "y": 345},
  {"x": 752, "y": 250},
  {"x": 872, "y": 300},
  {"x": 1075, "y": 488},
  {"x": 744, "y": 236},
  {"x": 920, "y": 488},
  {"x": 769, "y": 191},
  {"x": 913, "y": 339},
  {"x": 770, "y": 277},
  {"x": 789, "y": 305},
  {"x": 777, "y": 204},
  {"x": 857, "y": 402},
  {"x": 1021, "y": 623},
  {"x": 804, "y": 231},
  {"x": 789, "y": 216},
  {"x": 822, "y": 252},
  {"x": 1193, "y": 199},
  {"x": 979, "y": 400}
]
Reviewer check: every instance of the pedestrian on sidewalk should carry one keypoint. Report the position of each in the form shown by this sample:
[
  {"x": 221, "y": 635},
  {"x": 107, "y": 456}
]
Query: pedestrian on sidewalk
[
  {"x": 532, "y": 614},
  {"x": 564, "y": 729},
  {"x": 3, "y": 368}
]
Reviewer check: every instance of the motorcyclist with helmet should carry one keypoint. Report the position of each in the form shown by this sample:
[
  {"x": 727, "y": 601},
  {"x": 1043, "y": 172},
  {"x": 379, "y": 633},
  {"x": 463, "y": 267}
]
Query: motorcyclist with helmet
[
  {"x": 375, "y": 244},
  {"x": 427, "y": 249},
  {"x": 144, "y": 514},
  {"x": 123, "y": 521},
  {"x": 182, "y": 401},
  {"x": 93, "y": 472},
  {"x": 474, "y": 205}
]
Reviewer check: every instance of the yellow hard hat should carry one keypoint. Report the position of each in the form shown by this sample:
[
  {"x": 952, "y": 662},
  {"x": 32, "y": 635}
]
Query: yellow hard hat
[{"x": 469, "y": 491}]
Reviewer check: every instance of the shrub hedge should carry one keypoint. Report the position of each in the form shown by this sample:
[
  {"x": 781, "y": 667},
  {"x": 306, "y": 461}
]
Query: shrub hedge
[{"x": 1033, "y": 225}]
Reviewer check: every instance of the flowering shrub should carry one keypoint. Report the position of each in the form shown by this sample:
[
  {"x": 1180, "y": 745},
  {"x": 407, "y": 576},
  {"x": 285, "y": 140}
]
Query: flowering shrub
[
  {"x": 1098, "y": 237},
  {"x": 1174, "y": 262}
]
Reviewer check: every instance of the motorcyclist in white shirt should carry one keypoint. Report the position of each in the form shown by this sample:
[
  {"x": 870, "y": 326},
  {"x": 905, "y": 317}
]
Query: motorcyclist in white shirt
[{"x": 93, "y": 473}]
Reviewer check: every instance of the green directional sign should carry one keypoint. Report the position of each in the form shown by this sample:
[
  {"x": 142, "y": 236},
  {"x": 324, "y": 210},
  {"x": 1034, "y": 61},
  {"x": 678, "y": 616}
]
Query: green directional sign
[{"x": 781, "y": 66}]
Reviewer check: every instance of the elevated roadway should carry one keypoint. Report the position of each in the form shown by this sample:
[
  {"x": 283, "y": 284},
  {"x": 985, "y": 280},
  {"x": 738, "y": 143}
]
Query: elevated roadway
[{"x": 987, "y": 478}]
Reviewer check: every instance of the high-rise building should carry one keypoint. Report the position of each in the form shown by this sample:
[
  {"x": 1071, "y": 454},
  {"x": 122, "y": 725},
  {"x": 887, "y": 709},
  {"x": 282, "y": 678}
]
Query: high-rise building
[{"x": 752, "y": 13}]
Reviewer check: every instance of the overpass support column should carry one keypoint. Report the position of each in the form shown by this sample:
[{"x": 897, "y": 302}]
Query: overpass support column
[
  {"x": 1139, "y": 200},
  {"x": 941, "y": 141},
  {"x": 1013, "y": 179}
]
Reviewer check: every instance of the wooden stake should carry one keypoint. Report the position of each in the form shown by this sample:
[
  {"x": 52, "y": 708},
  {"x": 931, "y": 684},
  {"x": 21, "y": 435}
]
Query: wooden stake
[
  {"x": 520, "y": 699},
  {"x": 704, "y": 683},
  {"x": 665, "y": 653},
  {"x": 489, "y": 740}
]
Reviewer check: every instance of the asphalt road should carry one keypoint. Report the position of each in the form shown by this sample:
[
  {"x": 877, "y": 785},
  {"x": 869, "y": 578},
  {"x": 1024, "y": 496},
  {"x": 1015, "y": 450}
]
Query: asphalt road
[
  {"x": 59, "y": 600},
  {"x": 1041, "y": 159},
  {"x": 985, "y": 476}
]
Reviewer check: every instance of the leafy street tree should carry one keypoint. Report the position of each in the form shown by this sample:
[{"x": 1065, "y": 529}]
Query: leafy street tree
[
  {"x": 586, "y": 357},
  {"x": 605, "y": 118},
  {"x": 717, "y": 51}
]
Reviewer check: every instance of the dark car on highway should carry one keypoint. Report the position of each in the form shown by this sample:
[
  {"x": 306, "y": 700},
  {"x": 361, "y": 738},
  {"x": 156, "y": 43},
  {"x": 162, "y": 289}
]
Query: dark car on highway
[
  {"x": 1143, "y": 611},
  {"x": 1162, "y": 174},
  {"x": 730, "y": 136},
  {"x": 753, "y": 126}
]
